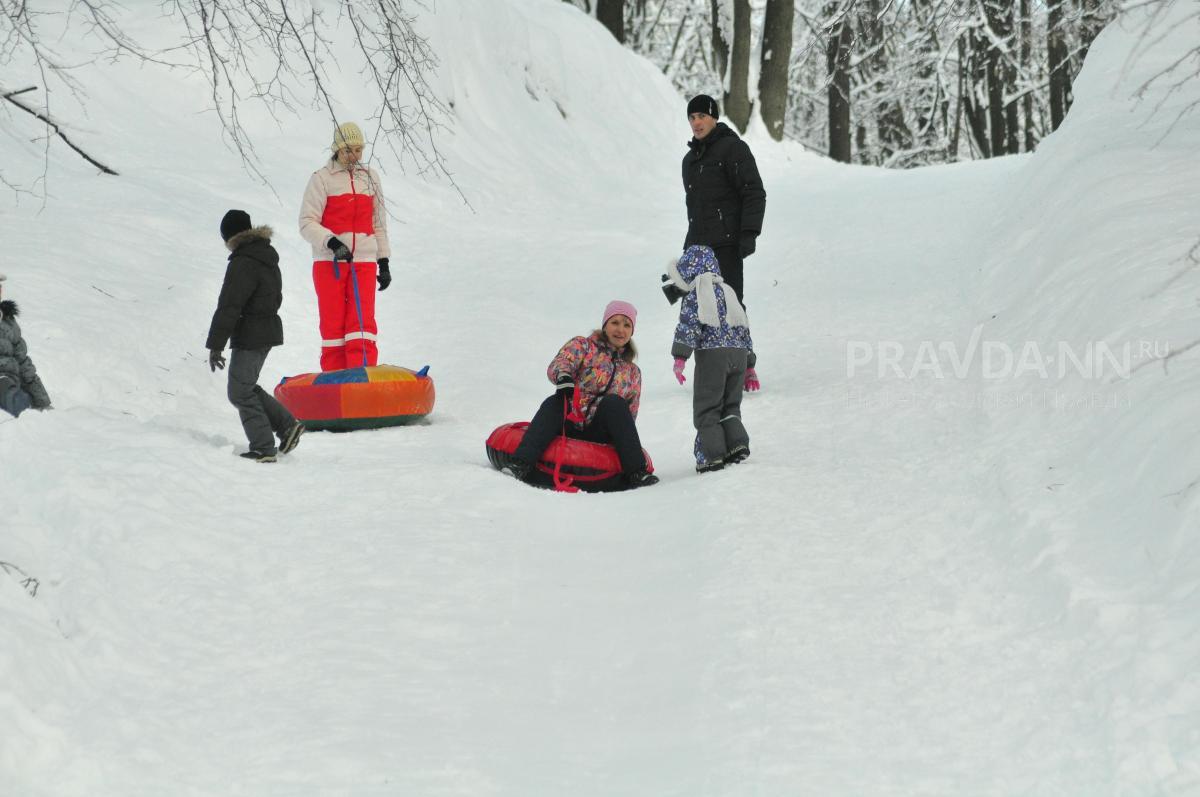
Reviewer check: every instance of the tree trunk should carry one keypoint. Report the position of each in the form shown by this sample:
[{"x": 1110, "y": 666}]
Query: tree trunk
[
  {"x": 720, "y": 47},
  {"x": 891, "y": 129},
  {"x": 837, "y": 57},
  {"x": 737, "y": 99},
  {"x": 975, "y": 113},
  {"x": 1092, "y": 19},
  {"x": 1056, "y": 52},
  {"x": 611, "y": 14},
  {"x": 995, "y": 99},
  {"x": 958, "y": 108},
  {"x": 776, "y": 56},
  {"x": 1027, "y": 68},
  {"x": 997, "y": 71}
]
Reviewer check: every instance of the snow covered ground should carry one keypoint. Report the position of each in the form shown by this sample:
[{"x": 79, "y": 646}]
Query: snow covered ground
[{"x": 986, "y": 583}]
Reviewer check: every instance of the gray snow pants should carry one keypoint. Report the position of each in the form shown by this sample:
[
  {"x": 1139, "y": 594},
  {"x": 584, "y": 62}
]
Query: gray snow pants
[
  {"x": 261, "y": 414},
  {"x": 717, "y": 402},
  {"x": 13, "y": 399}
]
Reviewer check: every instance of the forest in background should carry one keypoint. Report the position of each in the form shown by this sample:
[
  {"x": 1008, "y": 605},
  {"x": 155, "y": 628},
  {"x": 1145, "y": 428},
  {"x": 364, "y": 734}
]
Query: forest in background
[{"x": 880, "y": 82}]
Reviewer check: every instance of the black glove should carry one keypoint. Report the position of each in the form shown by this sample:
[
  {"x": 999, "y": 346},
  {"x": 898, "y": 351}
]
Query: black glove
[
  {"x": 747, "y": 243},
  {"x": 565, "y": 390},
  {"x": 340, "y": 252},
  {"x": 671, "y": 290},
  {"x": 215, "y": 360},
  {"x": 385, "y": 276}
]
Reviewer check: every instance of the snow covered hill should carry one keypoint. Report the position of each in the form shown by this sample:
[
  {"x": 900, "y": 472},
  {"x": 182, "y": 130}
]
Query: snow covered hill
[{"x": 980, "y": 583}]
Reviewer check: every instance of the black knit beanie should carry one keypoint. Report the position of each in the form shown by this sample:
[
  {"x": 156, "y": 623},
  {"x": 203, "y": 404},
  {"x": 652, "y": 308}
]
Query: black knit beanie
[
  {"x": 702, "y": 103},
  {"x": 235, "y": 221}
]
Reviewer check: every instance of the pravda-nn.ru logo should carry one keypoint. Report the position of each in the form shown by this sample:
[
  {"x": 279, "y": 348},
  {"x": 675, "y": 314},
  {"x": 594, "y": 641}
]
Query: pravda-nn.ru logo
[{"x": 992, "y": 359}]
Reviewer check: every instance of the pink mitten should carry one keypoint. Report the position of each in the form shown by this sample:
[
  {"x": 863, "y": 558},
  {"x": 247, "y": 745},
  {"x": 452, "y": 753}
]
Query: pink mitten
[
  {"x": 678, "y": 369},
  {"x": 751, "y": 384}
]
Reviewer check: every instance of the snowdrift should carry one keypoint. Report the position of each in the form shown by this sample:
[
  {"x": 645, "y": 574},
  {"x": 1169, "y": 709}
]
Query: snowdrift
[{"x": 917, "y": 585}]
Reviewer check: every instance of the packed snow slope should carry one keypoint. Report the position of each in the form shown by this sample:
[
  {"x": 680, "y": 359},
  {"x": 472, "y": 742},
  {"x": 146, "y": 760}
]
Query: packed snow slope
[{"x": 977, "y": 581}]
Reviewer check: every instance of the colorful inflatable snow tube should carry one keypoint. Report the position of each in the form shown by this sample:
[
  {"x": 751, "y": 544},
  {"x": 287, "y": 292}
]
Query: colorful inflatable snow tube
[
  {"x": 358, "y": 398},
  {"x": 591, "y": 467}
]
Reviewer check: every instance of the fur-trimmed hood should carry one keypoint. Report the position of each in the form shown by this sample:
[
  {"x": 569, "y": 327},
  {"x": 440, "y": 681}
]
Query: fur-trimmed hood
[
  {"x": 246, "y": 236},
  {"x": 8, "y": 309}
]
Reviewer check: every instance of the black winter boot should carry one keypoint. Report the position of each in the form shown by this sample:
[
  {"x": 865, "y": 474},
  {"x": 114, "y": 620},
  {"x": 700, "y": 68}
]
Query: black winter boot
[
  {"x": 738, "y": 454},
  {"x": 640, "y": 478},
  {"x": 291, "y": 438},
  {"x": 519, "y": 469}
]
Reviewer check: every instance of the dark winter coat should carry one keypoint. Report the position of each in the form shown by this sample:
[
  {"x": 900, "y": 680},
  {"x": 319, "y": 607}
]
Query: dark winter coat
[
  {"x": 14, "y": 357},
  {"x": 247, "y": 314},
  {"x": 725, "y": 195}
]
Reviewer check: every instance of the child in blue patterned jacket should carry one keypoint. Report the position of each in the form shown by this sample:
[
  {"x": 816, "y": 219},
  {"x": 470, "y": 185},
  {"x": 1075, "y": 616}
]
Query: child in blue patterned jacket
[{"x": 713, "y": 324}]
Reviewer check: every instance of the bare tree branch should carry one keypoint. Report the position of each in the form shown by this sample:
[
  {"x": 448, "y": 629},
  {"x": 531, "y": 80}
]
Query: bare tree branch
[
  {"x": 11, "y": 97},
  {"x": 263, "y": 52}
]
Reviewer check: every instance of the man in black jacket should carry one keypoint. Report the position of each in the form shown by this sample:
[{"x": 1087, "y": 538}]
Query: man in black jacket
[
  {"x": 725, "y": 197},
  {"x": 247, "y": 317}
]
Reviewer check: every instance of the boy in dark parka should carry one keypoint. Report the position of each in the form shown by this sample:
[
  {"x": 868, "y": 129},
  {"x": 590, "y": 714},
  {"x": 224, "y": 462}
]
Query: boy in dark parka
[{"x": 247, "y": 318}]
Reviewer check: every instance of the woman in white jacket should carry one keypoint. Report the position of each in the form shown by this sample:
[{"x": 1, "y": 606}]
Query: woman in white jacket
[{"x": 342, "y": 216}]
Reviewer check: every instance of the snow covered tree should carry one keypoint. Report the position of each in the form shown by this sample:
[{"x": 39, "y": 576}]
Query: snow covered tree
[
  {"x": 878, "y": 82},
  {"x": 611, "y": 14},
  {"x": 737, "y": 104},
  {"x": 778, "y": 19},
  {"x": 1059, "y": 63},
  {"x": 837, "y": 57},
  {"x": 720, "y": 24}
]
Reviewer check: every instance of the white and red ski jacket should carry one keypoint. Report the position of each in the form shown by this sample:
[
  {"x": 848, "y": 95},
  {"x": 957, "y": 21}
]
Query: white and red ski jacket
[{"x": 347, "y": 205}]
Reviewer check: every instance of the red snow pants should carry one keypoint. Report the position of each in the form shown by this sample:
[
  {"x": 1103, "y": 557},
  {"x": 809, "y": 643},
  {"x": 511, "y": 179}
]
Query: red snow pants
[{"x": 345, "y": 342}]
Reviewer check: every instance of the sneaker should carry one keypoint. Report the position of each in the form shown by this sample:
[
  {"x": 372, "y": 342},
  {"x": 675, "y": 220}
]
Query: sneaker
[
  {"x": 709, "y": 467},
  {"x": 738, "y": 454},
  {"x": 291, "y": 438},
  {"x": 640, "y": 478},
  {"x": 519, "y": 469},
  {"x": 258, "y": 456}
]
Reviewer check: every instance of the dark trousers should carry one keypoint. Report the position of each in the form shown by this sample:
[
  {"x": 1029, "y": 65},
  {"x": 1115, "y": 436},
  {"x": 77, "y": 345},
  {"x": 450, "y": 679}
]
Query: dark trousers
[
  {"x": 729, "y": 258},
  {"x": 261, "y": 414},
  {"x": 13, "y": 399},
  {"x": 717, "y": 402},
  {"x": 612, "y": 424}
]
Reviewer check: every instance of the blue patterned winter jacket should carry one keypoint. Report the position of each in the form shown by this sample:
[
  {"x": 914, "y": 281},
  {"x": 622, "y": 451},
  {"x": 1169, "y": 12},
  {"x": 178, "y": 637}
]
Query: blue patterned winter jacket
[{"x": 690, "y": 334}]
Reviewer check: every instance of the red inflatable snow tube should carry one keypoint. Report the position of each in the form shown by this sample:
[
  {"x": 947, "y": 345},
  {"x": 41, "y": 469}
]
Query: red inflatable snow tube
[{"x": 591, "y": 467}]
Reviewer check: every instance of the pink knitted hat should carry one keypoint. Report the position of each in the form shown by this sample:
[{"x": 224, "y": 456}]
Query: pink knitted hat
[{"x": 618, "y": 307}]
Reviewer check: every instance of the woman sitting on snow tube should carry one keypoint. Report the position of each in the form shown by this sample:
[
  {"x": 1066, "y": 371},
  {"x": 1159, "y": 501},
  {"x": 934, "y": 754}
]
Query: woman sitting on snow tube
[{"x": 597, "y": 390}]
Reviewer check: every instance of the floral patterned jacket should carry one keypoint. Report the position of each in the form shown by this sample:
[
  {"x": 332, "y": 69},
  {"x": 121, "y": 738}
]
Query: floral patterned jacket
[
  {"x": 597, "y": 371},
  {"x": 690, "y": 334}
]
